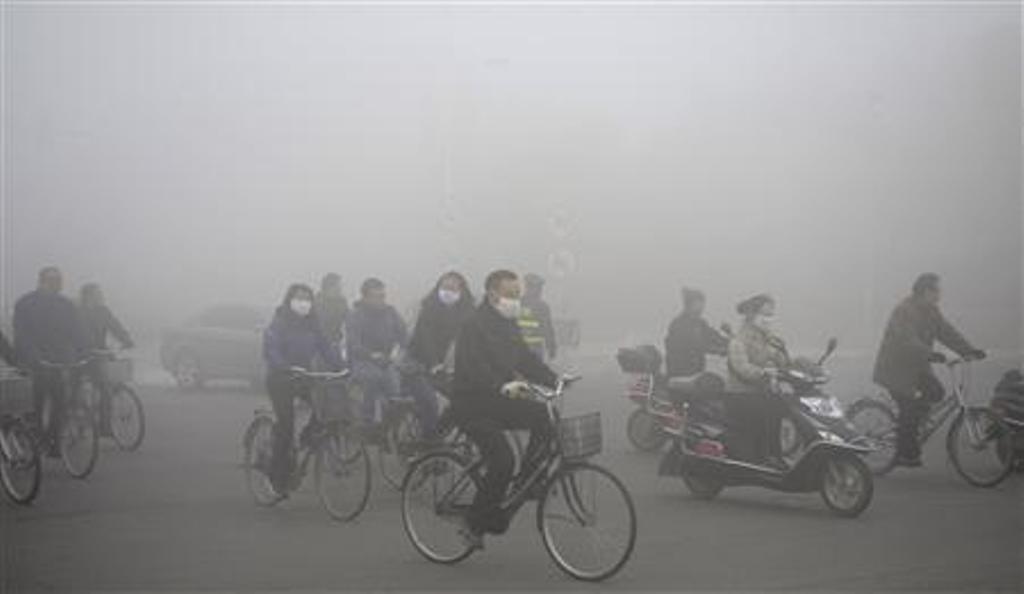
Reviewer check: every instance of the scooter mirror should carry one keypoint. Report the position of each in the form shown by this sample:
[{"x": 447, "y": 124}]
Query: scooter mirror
[{"x": 833, "y": 343}]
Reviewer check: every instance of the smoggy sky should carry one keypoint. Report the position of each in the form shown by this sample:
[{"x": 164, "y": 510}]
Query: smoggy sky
[{"x": 187, "y": 155}]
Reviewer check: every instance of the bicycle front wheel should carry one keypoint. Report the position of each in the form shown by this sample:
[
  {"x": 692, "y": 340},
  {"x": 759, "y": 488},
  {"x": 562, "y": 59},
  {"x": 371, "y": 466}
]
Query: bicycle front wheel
[
  {"x": 127, "y": 420},
  {"x": 79, "y": 441},
  {"x": 974, "y": 443},
  {"x": 402, "y": 442},
  {"x": 342, "y": 473},
  {"x": 587, "y": 521},
  {"x": 258, "y": 445},
  {"x": 436, "y": 496},
  {"x": 20, "y": 468}
]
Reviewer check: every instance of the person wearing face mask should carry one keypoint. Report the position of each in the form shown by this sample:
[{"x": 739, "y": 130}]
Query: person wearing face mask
[
  {"x": 442, "y": 313},
  {"x": 755, "y": 354},
  {"x": 491, "y": 362},
  {"x": 293, "y": 339},
  {"x": 374, "y": 331}
]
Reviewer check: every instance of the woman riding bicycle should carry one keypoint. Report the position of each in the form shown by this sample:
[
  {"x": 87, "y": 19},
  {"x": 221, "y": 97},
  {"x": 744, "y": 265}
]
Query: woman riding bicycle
[
  {"x": 442, "y": 313},
  {"x": 293, "y": 339}
]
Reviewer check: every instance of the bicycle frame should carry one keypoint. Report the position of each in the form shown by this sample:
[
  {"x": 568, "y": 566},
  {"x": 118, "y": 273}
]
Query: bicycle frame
[{"x": 955, "y": 400}]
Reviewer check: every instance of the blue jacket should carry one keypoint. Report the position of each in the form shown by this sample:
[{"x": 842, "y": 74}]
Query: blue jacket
[
  {"x": 293, "y": 341},
  {"x": 370, "y": 330}
]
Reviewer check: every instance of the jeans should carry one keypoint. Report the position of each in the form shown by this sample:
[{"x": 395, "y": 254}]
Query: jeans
[
  {"x": 912, "y": 410},
  {"x": 378, "y": 383},
  {"x": 417, "y": 386},
  {"x": 485, "y": 422}
]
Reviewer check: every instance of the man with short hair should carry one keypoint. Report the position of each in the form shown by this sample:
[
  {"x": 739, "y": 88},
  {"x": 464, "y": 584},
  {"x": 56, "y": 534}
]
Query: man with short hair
[
  {"x": 903, "y": 365},
  {"x": 491, "y": 362},
  {"x": 691, "y": 339},
  {"x": 374, "y": 331},
  {"x": 46, "y": 328}
]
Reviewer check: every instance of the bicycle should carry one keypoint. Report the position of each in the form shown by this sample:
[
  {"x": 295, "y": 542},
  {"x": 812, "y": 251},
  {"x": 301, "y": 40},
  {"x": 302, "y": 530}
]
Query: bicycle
[
  {"x": 341, "y": 465},
  {"x": 77, "y": 438},
  {"x": 440, "y": 486},
  {"x": 20, "y": 464},
  {"x": 972, "y": 431},
  {"x": 118, "y": 407}
]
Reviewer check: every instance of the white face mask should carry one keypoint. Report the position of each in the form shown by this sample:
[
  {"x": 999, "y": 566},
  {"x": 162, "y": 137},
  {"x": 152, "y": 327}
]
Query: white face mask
[
  {"x": 765, "y": 323},
  {"x": 509, "y": 308},
  {"x": 448, "y": 297},
  {"x": 301, "y": 306}
]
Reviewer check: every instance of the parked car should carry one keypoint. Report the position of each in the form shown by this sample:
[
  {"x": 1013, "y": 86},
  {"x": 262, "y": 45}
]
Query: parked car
[{"x": 222, "y": 342}]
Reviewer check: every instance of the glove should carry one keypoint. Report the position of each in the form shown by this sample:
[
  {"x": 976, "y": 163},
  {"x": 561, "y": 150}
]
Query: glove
[
  {"x": 936, "y": 358},
  {"x": 515, "y": 389}
]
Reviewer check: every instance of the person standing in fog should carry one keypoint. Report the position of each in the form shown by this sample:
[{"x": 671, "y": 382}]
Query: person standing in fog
[
  {"x": 46, "y": 328},
  {"x": 292, "y": 339},
  {"x": 331, "y": 308},
  {"x": 903, "y": 364},
  {"x": 691, "y": 339},
  {"x": 374, "y": 331},
  {"x": 97, "y": 323},
  {"x": 442, "y": 313},
  {"x": 535, "y": 321}
]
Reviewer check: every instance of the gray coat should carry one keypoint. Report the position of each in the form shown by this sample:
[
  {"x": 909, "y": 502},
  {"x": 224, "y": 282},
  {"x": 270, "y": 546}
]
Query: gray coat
[
  {"x": 751, "y": 352},
  {"x": 914, "y": 328}
]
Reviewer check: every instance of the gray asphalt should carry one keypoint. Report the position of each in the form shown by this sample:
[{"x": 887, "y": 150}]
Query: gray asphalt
[{"x": 176, "y": 516}]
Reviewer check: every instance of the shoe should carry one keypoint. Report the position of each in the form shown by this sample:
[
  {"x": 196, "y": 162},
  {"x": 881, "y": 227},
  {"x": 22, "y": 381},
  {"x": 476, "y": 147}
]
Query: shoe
[
  {"x": 471, "y": 537},
  {"x": 909, "y": 461}
]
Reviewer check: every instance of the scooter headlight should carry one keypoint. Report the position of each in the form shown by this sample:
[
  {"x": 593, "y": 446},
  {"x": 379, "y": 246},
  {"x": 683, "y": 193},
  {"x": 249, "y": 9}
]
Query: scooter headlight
[{"x": 823, "y": 407}]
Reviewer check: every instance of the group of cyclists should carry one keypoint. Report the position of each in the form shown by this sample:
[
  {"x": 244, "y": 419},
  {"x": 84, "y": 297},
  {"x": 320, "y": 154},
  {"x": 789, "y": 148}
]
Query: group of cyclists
[
  {"x": 51, "y": 330},
  {"x": 755, "y": 353}
]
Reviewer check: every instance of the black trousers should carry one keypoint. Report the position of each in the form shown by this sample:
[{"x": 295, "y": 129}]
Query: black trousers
[
  {"x": 912, "y": 408},
  {"x": 485, "y": 422},
  {"x": 49, "y": 384},
  {"x": 283, "y": 390},
  {"x": 755, "y": 420}
]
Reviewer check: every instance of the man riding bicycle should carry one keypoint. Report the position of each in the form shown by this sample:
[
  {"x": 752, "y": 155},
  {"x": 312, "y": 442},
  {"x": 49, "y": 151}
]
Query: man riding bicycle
[
  {"x": 491, "y": 362},
  {"x": 904, "y": 358},
  {"x": 97, "y": 323},
  {"x": 292, "y": 340},
  {"x": 46, "y": 329}
]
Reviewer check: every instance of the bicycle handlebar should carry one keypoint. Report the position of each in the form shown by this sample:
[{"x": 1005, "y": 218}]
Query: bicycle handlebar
[
  {"x": 546, "y": 393},
  {"x": 63, "y": 366},
  {"x": 320, "y": 376}
]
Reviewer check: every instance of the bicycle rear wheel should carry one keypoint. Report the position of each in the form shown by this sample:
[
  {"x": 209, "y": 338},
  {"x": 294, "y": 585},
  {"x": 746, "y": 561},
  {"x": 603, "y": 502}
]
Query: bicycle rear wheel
[
  {"x": 20, "y": 467},
  {"x": 127, "y": 420},
  {"x": 342, "y": 474},
  {"x": 974, "y": 442},
  {"x": 436, "y": 494},
  {"x": 78, "y": 439},
  {"x": 587, "y": 522},
  {"x": 258, "y": 455}
]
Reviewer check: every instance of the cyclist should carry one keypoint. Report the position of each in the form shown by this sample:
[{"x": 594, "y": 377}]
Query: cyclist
[
  {"x": 375, "y": 330},
  {"x": 46, "y": 329},
  {"x": 903, "y": 363},
  {"x": 442, "y": 313},
  {"x": 691, "y": 339},
  {"x": 293, "y": 339},
  {"x": 331, "y": 308},
  {"x": 97, "y": 322},
  {"x": 491, "y": 360},
  {"x": 535, "y": 319}
]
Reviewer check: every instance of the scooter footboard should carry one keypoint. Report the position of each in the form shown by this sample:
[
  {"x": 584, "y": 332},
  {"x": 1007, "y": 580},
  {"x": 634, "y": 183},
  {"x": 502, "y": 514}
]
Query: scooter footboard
[{"x": 806, "y": 474}]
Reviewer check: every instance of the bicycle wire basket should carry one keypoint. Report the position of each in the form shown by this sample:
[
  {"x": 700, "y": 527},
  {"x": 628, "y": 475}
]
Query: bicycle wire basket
[
  {"x": 580, "y": 436},
  {"x": 332, "y": 403},
  {"x": 15, "y": 394},
  {"x": 118, "y": 371}
]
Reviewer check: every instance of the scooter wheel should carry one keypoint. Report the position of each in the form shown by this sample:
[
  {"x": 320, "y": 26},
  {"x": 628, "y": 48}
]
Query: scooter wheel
[
  {"x": 702, "y": 487},
  {"x": 643, "y": 431},
  {"x": 847, "y": 485}
]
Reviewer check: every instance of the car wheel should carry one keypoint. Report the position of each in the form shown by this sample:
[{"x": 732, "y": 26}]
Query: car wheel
[{"x": 187, "y": 372}]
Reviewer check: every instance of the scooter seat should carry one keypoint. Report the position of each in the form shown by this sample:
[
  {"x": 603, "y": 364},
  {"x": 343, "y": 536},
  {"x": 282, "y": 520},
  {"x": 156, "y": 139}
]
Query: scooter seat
[{"x": 702, "y": 385}]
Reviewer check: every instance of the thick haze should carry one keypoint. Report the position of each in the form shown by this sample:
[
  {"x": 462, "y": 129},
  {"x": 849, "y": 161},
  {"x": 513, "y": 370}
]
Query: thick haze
[{"x": 183, "y": 156}]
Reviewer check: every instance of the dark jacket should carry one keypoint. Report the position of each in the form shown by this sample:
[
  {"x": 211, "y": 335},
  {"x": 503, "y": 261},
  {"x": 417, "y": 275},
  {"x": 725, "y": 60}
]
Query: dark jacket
[
  {"x": 436, "y": 329},
  {"x": 96, "y": 322},
  {"x": 489, "y": 353},
  {"x": 7, "y": 351},
  {"x": 374, "y": 330},
  {"x": 690, "y": 339},
  {"x": 910, "y": 336},
  {"x": 331, "y": 311},
  {"x": 293, "y": 341},
  {"x": 46, "y": 328}
]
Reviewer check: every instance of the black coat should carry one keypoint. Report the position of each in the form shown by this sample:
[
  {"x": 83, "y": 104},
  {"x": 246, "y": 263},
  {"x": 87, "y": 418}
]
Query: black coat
[
  {"x": 489, "y": 353},
  {"x": 7, "y": 351},
  {"x": 437, "y": 327},
  {"x": 98, "y": 321},
  {"x": 690, "y": 339},
  {"x": 46, "y": 327}
]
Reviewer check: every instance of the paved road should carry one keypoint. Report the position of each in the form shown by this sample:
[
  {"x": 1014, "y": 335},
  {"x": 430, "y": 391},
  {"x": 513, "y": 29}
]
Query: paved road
[{"x": 175, "y": 516}]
